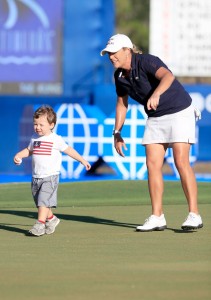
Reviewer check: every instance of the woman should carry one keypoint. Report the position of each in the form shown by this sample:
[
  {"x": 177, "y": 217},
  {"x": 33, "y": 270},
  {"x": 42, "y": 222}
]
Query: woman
[{"x": 171, "y": 122}]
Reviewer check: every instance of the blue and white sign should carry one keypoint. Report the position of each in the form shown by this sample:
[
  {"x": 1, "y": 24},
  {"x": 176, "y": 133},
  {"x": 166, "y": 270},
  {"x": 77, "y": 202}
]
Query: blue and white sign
[
  {"x": 30, "y": 46},
  {"x": 86, "y": 129},
  {"x": 80, "y": 126},
  {"x": 133, "y": 165}
]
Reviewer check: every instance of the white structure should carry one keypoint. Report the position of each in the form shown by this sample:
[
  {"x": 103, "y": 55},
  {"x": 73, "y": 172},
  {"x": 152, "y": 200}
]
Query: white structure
[{"x": 180, "y": 34}]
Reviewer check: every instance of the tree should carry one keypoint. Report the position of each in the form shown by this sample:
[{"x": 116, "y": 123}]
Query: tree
[{"x": 132, "y": 19}]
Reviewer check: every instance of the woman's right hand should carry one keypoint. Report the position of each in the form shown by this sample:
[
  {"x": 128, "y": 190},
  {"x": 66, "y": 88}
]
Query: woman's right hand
[{"x": 119, "y": 143}]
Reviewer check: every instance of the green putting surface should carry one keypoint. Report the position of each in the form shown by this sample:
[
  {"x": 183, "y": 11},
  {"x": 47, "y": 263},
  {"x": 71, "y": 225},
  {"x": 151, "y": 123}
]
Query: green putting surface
[{"x": 95, "y": 253}]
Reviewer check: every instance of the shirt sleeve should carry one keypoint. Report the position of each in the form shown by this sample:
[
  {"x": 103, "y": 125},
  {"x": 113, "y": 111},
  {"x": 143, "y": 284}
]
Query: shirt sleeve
[
  {"x": 30, "y": 145},
  {"x": 151, "y": 63},
  {"x": 61, "y": 145}
]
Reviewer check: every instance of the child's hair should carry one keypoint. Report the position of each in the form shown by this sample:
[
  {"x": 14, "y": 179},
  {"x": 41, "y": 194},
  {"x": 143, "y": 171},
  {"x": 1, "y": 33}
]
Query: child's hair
[{"x": 48, "y": 111}]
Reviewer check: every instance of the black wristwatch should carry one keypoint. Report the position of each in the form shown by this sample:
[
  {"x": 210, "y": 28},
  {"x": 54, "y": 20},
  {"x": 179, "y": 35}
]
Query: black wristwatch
[{"x": 115, "y": 132}]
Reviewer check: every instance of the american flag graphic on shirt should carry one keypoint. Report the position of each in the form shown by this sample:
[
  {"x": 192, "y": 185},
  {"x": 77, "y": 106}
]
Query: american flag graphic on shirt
[{"x": 42, "y": 148}]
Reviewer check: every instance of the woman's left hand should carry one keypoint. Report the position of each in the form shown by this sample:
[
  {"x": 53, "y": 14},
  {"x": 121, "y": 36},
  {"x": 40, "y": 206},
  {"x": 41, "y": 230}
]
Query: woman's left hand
[
  {"x": 166, "y": 78},
  {"x": 153, "y": 102}
]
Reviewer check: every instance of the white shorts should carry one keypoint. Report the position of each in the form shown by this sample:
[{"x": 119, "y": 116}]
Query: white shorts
[{"x": 173, "y": 128}]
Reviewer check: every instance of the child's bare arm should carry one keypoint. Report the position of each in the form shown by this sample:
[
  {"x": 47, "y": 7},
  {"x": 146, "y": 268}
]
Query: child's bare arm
[
  {"x": 22, "y": 154},
  {"x": 75, "y": 155}
]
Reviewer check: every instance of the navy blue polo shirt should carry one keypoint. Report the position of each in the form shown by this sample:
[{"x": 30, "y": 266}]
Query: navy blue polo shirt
[{"x": 142, "y": 82}]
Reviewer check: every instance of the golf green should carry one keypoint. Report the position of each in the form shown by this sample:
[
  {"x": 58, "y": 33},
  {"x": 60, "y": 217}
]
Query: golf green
[{"x": 95, "y": 252}]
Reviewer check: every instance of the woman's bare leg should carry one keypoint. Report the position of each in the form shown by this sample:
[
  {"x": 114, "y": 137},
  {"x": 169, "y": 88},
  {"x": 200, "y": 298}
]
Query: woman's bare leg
[
  {"x": 188, "y": 180},
  {"x": 154, "y": 158}
]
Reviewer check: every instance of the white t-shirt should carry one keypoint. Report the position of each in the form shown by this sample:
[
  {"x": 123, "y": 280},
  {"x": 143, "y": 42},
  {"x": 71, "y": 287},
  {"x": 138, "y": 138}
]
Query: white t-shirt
[{"x": 46, "y": 154}]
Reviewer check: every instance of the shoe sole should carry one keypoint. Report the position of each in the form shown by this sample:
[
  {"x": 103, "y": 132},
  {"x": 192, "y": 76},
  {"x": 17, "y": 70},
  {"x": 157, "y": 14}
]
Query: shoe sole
[
  {"x": 152, "y": 229},
  {"x": 58, "y": 221},
  {"x": 192, "y": 227},
  {"x": 30, "y": 233}
]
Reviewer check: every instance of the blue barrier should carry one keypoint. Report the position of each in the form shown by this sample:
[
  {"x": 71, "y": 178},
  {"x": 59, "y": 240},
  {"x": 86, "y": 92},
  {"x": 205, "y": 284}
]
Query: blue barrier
[
  {"x": 89, "y": 131},
  {"x": 201, "y": 95}
]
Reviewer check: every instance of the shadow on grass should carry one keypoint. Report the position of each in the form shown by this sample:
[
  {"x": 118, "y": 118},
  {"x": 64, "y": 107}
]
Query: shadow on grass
[
  {"x": 181, "y": 230},
  {"x": 74, "y": 218},
  {"x": 168, "y": 228},
  {"x": 10, "y": 227}
]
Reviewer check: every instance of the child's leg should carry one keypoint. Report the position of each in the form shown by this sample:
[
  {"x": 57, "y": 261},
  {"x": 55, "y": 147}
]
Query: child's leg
[
  {"x": 51, "y": 222},
  {"x": 50, "y": 214},
  {"x": 39, "y": 227},
  {"x": 43, "y": 213}
]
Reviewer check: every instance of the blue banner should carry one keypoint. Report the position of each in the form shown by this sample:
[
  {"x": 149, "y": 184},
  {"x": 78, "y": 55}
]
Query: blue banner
[
  {"x": 89, "y": 131},
  {"x": 30, "y": 46}
]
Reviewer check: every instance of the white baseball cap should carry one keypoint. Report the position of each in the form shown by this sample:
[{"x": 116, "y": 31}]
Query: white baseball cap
[{"x": 117, "y": 42}]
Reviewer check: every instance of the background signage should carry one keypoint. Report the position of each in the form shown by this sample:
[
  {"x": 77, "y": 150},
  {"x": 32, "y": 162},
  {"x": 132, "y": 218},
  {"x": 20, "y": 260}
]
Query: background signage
[
  {"x": 180, "y": 34},
  {"x": 30, "y": 47}
]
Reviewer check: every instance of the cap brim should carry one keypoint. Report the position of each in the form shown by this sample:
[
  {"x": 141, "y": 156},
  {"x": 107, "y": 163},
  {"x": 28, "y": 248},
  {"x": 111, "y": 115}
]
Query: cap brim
[
  {"x": 103, "y": 52},
  {"x": 110, "y": 50}
]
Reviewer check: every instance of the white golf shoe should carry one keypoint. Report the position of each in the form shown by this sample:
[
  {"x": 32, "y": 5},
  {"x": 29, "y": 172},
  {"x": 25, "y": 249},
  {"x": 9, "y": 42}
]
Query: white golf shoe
[
  {"x": 193, "y": 221},
  {"x": 153, "y": 223}
]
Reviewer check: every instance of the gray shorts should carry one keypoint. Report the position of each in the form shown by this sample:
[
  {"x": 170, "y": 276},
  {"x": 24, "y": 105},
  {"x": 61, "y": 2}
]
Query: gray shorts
[{"x": 44, "y": 191}]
